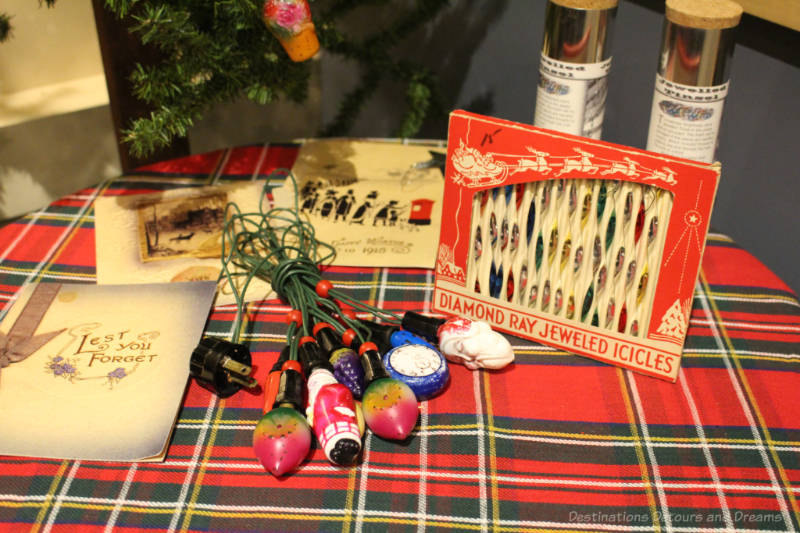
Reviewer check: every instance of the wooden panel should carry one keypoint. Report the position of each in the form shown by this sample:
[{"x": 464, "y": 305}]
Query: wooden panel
[
  {"x": 783, "y": 12},
  {"x": 121, "y": 51}
]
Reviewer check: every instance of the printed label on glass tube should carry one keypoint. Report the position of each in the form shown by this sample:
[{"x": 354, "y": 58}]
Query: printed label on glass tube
[
  {"x": 571, "y": 97},
  {"x": 684, "y": 120}
]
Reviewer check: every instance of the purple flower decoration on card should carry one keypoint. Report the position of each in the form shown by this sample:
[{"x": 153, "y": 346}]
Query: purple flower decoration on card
[
  {"x": 117, "y": 373},
  {"x": 62, "y": 368}
]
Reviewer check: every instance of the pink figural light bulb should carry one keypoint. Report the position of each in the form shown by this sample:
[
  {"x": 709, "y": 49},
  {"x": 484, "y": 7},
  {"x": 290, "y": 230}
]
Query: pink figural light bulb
[
  {"x": 282, "y": 438},
  {"x": 331, "y": 409},
  {"x": 336, "y": 423},
  {"x": 390, "y": 407}
]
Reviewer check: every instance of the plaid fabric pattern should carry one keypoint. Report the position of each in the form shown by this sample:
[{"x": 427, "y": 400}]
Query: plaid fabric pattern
[{"x": 553, "y": 442}]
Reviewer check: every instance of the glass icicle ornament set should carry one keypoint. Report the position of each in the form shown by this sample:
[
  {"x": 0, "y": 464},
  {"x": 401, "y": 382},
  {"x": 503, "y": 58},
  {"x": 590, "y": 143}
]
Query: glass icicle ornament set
[
  {"x": 582, "y": 249},
  {"x": 580, "y": 244}
]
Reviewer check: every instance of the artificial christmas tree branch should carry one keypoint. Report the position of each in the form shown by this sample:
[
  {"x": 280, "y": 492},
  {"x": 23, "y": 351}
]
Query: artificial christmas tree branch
[{"x": 219, "y": 51}]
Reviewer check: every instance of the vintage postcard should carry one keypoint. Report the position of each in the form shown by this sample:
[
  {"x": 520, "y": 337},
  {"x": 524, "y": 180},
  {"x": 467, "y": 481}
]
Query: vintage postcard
[
  {"x": 181, "y": 227},
  {"x": 97, "y": 372},
  {"x": 378, "y": 203},
  {"x": 171, "y": 236}
]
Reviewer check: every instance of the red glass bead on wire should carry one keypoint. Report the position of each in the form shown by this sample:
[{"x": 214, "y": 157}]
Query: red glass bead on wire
[
  {"x": 348, "y": 336},
  {"x": 323, "y": 288},
  {"x": 295, "y": 316}
]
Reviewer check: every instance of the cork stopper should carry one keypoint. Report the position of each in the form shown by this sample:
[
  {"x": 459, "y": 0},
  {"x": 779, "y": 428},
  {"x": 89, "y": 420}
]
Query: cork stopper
[
  {"x": 704, "y": 14},
  {"x": 586, "y": 4}
]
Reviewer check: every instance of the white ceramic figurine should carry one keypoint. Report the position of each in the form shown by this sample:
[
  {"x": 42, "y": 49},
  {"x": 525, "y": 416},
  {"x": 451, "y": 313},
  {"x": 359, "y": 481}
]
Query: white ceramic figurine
[{"x": 474, "y": 344}]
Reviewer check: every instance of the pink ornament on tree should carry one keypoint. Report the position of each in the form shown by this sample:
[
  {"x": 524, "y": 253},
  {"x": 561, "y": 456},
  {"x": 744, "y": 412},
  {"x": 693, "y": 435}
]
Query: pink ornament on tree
[{"x": 290, "y": 22}]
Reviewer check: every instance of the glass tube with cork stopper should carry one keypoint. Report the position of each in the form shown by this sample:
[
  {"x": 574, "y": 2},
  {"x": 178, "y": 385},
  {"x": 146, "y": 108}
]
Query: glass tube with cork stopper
[
  {"x": 693, "y": 77},
  {"x": 574, "y": 65}
]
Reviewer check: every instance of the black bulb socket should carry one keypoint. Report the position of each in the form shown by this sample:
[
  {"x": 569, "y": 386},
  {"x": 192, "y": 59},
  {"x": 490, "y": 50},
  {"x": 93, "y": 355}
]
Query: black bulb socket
[
  {"x": 327, "y": 338},
  {"x": 372, "y": 363},
  {"x": 291, "y": 390},
  {"x": 380, "y": 334},
  {"x": 282, "y": 358},
  {"x": 312, "y": 357},
  {"x": 424, "y": 326}
]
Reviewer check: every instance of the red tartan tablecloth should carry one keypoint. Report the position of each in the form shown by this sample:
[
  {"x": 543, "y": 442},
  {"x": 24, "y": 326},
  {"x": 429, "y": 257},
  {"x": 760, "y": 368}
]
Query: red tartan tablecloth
[{"x": 554, "y": 442}]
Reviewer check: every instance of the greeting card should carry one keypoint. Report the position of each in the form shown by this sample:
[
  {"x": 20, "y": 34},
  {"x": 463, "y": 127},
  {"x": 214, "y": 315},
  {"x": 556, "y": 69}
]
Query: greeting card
[
  {"x": 171, "y": 236},
  {"x": 378, "y": 203},
  {"x": 97, "y": 371}
]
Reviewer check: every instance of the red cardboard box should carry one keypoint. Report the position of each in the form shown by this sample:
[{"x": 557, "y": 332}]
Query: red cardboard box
[{"x": 587, "y": 246}]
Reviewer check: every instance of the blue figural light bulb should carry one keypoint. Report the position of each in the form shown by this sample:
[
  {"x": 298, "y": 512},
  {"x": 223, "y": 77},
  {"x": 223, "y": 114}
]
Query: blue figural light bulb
[{"x": 417, "y": 363}]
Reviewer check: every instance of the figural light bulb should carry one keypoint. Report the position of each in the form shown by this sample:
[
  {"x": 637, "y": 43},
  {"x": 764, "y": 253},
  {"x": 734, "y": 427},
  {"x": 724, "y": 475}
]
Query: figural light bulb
[
  {"x": 389, "y": 406},
  {"x": 474, "y": 344},
  {"x": 330, "y": 407},
  {"x": 282, "y": 438}
]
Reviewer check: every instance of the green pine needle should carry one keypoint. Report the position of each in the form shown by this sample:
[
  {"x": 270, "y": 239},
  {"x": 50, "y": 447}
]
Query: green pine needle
[{"x": 5, "y": 27}]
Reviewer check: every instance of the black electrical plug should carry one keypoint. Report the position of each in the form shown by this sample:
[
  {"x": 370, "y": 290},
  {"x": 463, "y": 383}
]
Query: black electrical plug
[{"x": 222, "y": 367}]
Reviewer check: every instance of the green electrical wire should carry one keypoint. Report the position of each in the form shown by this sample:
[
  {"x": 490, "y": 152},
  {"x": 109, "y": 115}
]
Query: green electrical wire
[{"x": 278, "y": 245}]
